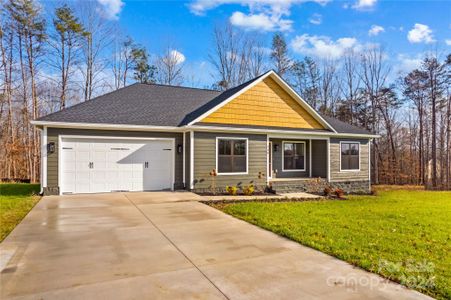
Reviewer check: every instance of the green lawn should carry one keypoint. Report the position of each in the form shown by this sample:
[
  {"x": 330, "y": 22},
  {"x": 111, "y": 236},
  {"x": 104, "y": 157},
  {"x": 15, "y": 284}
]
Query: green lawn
[
  {"x": 404, "y": 235},
  {"x": 16, "y": 200}
]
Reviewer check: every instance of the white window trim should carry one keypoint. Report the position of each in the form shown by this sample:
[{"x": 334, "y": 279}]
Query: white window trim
[
  {"x": 247, "y": 154},
  {"x": 283, "y": 156},
  {"x": 350, "y": 170}
]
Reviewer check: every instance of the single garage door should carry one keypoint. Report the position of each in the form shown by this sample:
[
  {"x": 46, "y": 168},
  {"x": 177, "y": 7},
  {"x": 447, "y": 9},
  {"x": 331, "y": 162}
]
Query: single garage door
[{"x": 106, "y": 165}]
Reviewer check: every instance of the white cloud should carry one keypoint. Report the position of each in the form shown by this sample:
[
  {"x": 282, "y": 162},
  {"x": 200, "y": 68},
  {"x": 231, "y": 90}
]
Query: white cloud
[
  {"x": 375, "y": 30},
  {"x": 406, "y": 63},
  {"x": 267, "y": 15},
  {"x": 420, "y": 33},
  {"x": 175, "y": 56},
  {"x": 260, "y": 21},
  {"x": 448, "y": 42},
  {"x": 111, "y": 8},
  {"x": 323, "y": 46},
  {"x": 364, "y": 4},
  {"x": 316, "y": 19}
]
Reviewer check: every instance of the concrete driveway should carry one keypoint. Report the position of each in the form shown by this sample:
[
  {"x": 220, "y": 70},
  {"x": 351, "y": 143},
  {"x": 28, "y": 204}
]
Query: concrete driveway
[{"x": 163, "y": 246}]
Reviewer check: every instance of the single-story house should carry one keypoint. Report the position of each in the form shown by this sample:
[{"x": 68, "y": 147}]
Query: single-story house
[{"x": 160, "y": 137}]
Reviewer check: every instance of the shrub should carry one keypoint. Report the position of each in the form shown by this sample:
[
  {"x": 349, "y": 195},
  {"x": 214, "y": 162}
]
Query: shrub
[
  {"x": 249, "y": 190},
  {"x": 269, "y": 189},
  {"x": 339, "y": 193},
  {"x": 231, "y": 190}
]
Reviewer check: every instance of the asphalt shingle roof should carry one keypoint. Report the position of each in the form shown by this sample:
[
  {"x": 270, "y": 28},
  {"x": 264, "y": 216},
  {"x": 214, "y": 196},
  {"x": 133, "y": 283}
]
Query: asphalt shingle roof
[
  {"x": 343, "y": 127},
  {"x": 137, "y": 104},
  {"x": 158, "y": 105}
]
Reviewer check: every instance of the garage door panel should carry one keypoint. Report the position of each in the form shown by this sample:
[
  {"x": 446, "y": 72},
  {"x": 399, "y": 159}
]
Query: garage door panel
[{"x": 105, "y": 165}]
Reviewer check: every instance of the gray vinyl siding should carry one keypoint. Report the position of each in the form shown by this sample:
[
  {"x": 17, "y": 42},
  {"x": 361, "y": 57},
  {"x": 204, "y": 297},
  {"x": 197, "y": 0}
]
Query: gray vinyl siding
[
  {"x": 53, "y": 134},
  {"x": 277, "y": 160},
  {"x": 335, "y": 152},
  {"x": 319, "y": 158},
  {"x": 205, "y": 161}
]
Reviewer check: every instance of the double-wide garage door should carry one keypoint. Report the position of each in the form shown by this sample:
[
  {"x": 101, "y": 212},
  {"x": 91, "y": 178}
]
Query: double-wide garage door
[{"x": 106, "y": 165}]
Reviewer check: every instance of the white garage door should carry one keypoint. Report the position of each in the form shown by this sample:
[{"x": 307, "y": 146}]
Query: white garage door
[{"x": 106, "y": 165}]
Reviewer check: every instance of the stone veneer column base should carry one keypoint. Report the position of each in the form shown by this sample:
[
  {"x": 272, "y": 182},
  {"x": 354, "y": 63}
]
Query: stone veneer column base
[
  {"x": 48, "y": 191},
  {"x": 317, "y": 186}
]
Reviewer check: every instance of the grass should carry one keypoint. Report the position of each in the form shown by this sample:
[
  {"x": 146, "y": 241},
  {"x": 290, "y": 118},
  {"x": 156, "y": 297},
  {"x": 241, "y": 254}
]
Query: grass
[
  {"x": 16, "y": 200},
  {"x": 403, "y": 235}
]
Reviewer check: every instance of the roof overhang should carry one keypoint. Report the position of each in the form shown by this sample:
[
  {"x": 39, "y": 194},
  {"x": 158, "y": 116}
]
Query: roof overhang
[
  {"x": 277, "y": 132},
  {"x": 106, "y": 126},
  {"x": 287, "y": 89},
  {"x": 270, "y": 132}
]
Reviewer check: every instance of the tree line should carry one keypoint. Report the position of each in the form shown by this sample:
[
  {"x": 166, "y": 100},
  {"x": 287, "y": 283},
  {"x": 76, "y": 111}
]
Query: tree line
[{"x": 50, "y": 63}]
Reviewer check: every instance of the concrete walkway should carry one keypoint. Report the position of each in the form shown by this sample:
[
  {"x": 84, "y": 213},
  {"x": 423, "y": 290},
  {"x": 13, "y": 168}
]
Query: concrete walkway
[
  {"x": 152, "y": 246},
  {"x": 298, "y": 196}
]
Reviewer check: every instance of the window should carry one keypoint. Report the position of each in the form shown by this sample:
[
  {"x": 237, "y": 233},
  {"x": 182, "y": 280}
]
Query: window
[
  {"x": 350, "y": 159},
  {"x": 294, "y": 156},
  {"x": 232, "y": 156}
]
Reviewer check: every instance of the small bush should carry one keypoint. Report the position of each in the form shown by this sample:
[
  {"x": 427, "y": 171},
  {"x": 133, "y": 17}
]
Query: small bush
[
  {"x": 269, "y": 190},
  {"x": 231, "y": 190},
  {"x": 249, "y": 190}
]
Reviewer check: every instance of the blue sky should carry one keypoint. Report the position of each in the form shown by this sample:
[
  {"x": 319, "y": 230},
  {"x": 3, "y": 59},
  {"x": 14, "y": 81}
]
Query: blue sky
[{"x": 319, "y": 28}]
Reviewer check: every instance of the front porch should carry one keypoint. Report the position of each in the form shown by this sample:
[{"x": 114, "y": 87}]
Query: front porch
[{"x": 296, "y": 159}]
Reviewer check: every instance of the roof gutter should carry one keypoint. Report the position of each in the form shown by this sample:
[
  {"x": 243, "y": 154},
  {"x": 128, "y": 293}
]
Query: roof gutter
[{"x": 107, "y": 126}]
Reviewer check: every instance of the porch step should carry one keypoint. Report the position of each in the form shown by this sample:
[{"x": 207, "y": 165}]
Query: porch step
[{"x": 314, "y": 185}]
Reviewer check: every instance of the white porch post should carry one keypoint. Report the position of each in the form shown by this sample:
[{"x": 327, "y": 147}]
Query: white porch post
[
  {"x": 268, "y": 171},
  {"x": 328, "y": 159},
  {"x": 191, "y": 163},
  {"x": 369, "y": 164},
  {"x": 184, "y": 151},
  {"x": 310, "y": 157},
  {"x": 43, "y": 158}
]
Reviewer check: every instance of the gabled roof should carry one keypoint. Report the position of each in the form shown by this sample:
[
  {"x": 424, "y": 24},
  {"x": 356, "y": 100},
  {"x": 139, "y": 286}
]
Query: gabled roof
[
  {"x": 235, "y": 92},
  {"x": 171, "y": 106}
]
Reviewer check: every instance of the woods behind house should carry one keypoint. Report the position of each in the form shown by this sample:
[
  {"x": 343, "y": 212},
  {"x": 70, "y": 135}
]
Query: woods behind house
[{"x": 72, "y": 54}]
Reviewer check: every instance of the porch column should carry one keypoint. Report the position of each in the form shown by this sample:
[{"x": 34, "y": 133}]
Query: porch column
[
  {"x": 184, "y": 165},
  {"x": 310, "y": 157}
]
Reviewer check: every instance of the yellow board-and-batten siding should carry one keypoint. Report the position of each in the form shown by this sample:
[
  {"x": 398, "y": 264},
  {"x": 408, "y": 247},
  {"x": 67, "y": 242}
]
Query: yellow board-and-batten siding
[{"x": 265, "y": 104}]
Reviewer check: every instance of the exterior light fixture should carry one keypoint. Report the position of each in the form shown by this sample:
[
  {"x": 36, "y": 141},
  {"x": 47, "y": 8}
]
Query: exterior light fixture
[{"x": 51, "y": 148}]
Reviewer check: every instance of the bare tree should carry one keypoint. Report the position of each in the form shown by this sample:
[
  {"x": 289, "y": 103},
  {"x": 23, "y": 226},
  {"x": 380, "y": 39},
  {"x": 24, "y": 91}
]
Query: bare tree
[
  {"x": 374, "y": 72},
  {"x": 351, "y": 88},
  {"x": 329, "y": 86},
  {"x": 29, "y": 25},
  {"x": 437, "y": 80},
  {"x": 122, "y": 60},
  {"x": 229, "y": 57},
  {"x": 170, "y": 67},
  {"x": 98, "y": 37},
  {"x": 414, "y": 90},
  {"x": 257, "y": 57}
]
